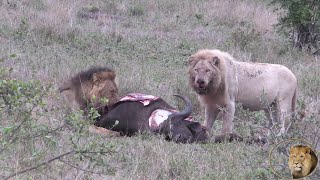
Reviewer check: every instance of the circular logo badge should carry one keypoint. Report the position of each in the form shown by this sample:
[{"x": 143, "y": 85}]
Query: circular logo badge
[{"x": 293, "y": 158}]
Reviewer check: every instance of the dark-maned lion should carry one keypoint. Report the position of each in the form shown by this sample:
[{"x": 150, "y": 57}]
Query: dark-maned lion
[
  {"x": 302, "y": 161},
  {"x": 220, "y": 81},
  {"x": 87, "y": 88}
]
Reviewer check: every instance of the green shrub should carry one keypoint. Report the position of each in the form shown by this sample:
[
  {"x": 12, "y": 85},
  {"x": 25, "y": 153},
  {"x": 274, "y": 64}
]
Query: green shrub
[
  {"x": 28, "y": 139},
  {"x": 301, "y": 21},
  {"x": 244, "y": 37}
]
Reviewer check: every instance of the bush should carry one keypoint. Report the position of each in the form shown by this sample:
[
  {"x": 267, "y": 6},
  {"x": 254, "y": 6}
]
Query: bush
[
  {"x": 244, "y": 37},
  {"x": 30, "y": 141},
  {"x": 301, "y": 22}
]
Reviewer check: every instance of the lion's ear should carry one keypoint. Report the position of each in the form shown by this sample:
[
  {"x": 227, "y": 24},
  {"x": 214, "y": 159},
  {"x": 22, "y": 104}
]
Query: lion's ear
[
  {"x": 111, "y": 75},
  {"x": 195, "y": 127},
  {"x": 215, "y": 61},
  {"x": 95, "y": 78},
  {"x": 308, "y": 150},
  {"x": 291, "y": 150},
  {"x": 192, "y": 61}
]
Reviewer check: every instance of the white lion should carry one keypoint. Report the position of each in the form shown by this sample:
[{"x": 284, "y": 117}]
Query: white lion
[{"x": 220, "y": 81}]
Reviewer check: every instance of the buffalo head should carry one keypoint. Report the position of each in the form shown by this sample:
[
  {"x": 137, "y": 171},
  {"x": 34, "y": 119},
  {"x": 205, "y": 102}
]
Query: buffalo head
[{"x": 179, "y": 130}]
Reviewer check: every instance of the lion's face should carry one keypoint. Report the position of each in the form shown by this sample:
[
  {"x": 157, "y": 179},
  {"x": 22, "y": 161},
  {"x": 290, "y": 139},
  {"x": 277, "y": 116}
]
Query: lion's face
[
  {"x": 300, "y": 161},
  {"x": 103, "y": 86},
  {"x": 89, "y": 88},
  {"x": 204, "y": 73}
]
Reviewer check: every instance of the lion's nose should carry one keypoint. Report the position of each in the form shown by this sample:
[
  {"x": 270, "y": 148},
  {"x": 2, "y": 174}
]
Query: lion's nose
[
  {"x": 296, "y": 163},
  {"x": 200, "y": 82}
]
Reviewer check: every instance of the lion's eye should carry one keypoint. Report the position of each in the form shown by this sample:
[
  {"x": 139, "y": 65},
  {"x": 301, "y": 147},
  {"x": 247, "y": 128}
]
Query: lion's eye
[
  {"x": 301, "y": 156},
  {"x": 208, "y": 70},
  {"x": 196, "y": 70}
]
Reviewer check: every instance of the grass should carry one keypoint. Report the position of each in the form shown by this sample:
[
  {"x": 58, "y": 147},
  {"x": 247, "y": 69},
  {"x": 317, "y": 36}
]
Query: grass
[{"x": 148, "y": 44}]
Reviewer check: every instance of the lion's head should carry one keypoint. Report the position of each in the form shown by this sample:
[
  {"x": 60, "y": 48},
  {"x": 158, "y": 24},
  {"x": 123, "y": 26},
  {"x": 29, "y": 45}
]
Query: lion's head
[
  {"x": 88, "y": 88},
  {"x": 206, "y": 72},
  {"x": 302, "y": 161}
]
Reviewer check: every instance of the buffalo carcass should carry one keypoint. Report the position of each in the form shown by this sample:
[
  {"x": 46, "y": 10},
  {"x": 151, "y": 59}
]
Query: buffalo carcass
[{"x": 129, "y": 117}]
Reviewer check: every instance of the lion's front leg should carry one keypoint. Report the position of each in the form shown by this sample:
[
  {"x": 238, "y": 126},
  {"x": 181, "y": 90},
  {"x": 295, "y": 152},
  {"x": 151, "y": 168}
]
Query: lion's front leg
[
  {"x": 227, "y": 117},
  {"x": 211, "y": 114}
]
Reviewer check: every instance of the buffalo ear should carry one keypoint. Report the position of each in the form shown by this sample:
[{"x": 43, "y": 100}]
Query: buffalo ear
[
  {"x": 195, "y": 127},
  {"x": 215, "y": 61},
  {"x": 164, "y": 127}
]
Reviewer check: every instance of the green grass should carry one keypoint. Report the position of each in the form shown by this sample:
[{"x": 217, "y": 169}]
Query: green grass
[{"x": 148, "y": 44}]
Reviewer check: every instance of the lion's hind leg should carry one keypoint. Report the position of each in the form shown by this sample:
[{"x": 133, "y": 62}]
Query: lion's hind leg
[
  {"x": 271, "y": 114},
  {"x": 271, "y": 111},
  {"x": 284, "y": 109}
]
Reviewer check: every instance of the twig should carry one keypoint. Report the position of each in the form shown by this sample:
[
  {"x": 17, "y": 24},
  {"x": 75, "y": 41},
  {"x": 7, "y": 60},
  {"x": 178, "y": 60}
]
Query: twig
[
  {"x": 71, "y": 165},
  {"x": 52, "y": 159},
  {"x": 283, "y": 152},
  {"x": 17, "y": 128},
  {"x": 45, "y": 132},
  {"x": 304, "y": 129},
  {"x": 315, "y": 137},
  {"x": 37, "y": 166}
]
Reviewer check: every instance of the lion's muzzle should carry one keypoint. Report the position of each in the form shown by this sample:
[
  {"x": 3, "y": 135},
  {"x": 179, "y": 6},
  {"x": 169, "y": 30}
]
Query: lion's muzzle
[
  {"x": 201, "y": 86},
  {"x": 298, "y": 166}
]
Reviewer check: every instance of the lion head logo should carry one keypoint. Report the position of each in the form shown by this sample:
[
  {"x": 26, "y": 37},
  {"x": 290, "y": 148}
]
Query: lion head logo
[{"x": 302, "y": 161}]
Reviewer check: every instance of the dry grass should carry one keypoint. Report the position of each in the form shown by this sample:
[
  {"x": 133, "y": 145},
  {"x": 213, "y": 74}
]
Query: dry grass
[{"x": 148, "y": 43}]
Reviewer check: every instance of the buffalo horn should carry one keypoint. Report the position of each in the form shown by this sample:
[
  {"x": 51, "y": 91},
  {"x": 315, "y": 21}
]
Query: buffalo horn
[{"x": 187, "y": 109}]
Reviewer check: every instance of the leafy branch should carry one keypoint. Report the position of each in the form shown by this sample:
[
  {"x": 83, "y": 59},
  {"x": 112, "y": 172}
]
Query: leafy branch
[{"x": 56, "y": 158}]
